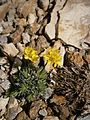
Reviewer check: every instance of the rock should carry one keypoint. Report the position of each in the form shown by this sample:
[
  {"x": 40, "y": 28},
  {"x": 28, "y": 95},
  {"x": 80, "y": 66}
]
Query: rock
[
  {"x": 11, "y": 15},
  {"x": 22, "y": 116},
  {"x": 76, "y": 57},
  {"x": 20, "y": 47},
  {"x": 10, "y": 49},
  {"x": 50, "y": 29},
  {"x": 1, "y": 91},
  {"x": 3, "y": 39},
  {"x": 48, "y": 93},
  {"x": 3, "y": 75},
  {"x": 51, "y": 118},
  {"x": 5, "y": 85},
  {"x": 43, "y": 112},
  {"x": 35, "y": 107},
  {"x": 21, "y": 22},
  {"x": 26, "y": 38},
  {"x": 26, "y": 8},
  {"x": 7, "y": 27},
  {"x": 34, "y": 28},
  {"x": 31, "y": 18},
  {"x": 73, "y": 30},
  {"x": 3, "y": 60},
  {"x": 41, "y": 43},
  {"x": 4, "y": 9},
  {"x": 43, "y": 4},
  {"x": 13, "y": 109},
  {"x": 87, "y": 117},
  {"x": 16, "y": 36},
  {"x": 3, "y": 103},
  {"x": 1, "y": 29}
]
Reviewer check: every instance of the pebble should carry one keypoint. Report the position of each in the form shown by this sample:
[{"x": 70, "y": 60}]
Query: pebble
[
  {"x": 3, "y": 39},
  {"x": 5, "y": 85},
  {"x": 26, "y": 38},
  {"x": 13, "y": 109},
  {"x": 3, "y": 103},
  {"x": 48, "y": 93},
  {"x": 43, "y": 112},
  {"x": 51, "y": 118},
  {"x": 10, "y": 49},
  {"x": 31, "y": 18}
]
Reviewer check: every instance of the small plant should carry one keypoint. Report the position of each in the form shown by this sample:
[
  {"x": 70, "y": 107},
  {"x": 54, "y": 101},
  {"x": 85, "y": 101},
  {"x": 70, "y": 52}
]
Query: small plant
[{"x": 29, "y": 83}]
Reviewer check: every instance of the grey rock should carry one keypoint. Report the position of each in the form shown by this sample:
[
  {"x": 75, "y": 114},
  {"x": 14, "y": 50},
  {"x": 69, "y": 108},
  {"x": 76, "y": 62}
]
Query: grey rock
[
  {"x": 3, "y": 75},
  {"x": 3, "y": 103},
  {"x": 73, "y": 30},
  {"x": 3, "y": 60},
  {"x": 10, "y": 49},
  {"x": 3, "y": 39},
  {"x": 48, "y": 93},
  {"x": 5, "y": 85},
  {"x": 26, "y": 38},
  {"x": 11, "y": 15},
  {"x": 43, "y": 112},
  {"x": 84, "y": 118},
  {"x": 43, "y": 4},
  {"x": 1, "y": 29},
  {"x": 13, "y": 109},
  {"x": 51, "y": 118}
]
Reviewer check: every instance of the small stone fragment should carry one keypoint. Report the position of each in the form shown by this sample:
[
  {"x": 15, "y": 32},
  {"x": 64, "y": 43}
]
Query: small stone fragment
[
  {"x": 43, "y": 112},
  {"x": 22, "y": 116},
  {"x": 51, "y": 118},
  {"x": 48, "y": 93},
  {"x": 10, "y": 49},
  {"x": 4, "y": 9},
  {"x": 31, "y": 18},
  {"x": 3, "y": 39},
  {"x": 26, "y": 8},
  {"x": 35, "y": 108},
  {"x": 13, "y": 109},
  {"x": 5, "y": 85},
  {"x": 16, "y": 36},
  {"x": 3, "y": 103},
  {"x": 26, "y": 38}
]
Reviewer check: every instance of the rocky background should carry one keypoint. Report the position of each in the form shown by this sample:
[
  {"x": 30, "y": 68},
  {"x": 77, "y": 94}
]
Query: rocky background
[{"x": 64, "y": 24}]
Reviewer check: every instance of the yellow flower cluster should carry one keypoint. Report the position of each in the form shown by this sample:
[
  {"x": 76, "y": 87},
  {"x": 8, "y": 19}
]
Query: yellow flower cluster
[
  {"x": 51, "y": 56},
  {"x": 31, "y": 54}
]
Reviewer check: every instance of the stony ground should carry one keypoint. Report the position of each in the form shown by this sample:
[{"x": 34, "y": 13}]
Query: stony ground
[{"x": 64, "y": 24}]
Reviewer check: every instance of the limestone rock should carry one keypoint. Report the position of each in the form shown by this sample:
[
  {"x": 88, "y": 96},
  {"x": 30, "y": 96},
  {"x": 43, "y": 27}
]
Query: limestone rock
[
  {"x": 27, "y": 7},
  {"x": 13, "y": 109},
  {"x": 4, "y": 9},
  {"x": 10, "y": 49},
  {"x": 3, "y": 103},
  {"x": 50, "y": 29},
  {"x": 26, "y": 38},
  {"x": 51, "y": 118},
  {"x": 22, "y": 116},
  {"x": 35, "y": 108},
  {"x": 74, "y": 22},
  {"x": 3, "y": 39}
]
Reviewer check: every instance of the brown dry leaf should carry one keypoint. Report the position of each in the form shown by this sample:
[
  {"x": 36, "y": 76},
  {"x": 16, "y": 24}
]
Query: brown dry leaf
[
  {"x": 59, "y": 100},
  {"x": 76, "y": 57}
]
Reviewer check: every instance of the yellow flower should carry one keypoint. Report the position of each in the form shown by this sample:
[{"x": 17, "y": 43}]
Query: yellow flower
[
  {"x": 31, "y": 54},
  {"x": 52, "y": 56}
]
